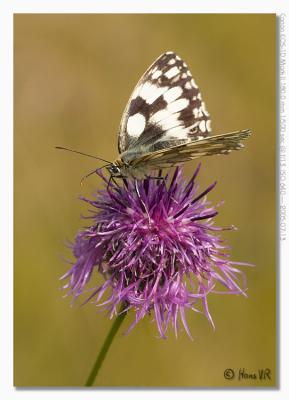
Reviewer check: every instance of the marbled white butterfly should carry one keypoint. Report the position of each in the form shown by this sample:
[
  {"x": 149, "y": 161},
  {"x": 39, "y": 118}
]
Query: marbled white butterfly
[{"x": 166, "y": 123}]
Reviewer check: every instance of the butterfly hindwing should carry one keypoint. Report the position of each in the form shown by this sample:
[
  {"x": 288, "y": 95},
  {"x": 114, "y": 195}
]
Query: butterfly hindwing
[
  {"x": 219, "y": 144},
  {"x": 164, "y": 110}
]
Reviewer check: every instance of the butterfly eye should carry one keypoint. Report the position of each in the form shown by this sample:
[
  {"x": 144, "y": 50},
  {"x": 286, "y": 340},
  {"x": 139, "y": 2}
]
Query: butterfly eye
[{"x": 114, "y": 170}]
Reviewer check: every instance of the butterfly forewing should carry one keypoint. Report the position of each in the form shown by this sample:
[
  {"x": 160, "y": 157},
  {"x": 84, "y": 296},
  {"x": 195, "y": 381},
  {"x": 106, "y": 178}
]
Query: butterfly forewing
[{"x": 164, "y": 110}]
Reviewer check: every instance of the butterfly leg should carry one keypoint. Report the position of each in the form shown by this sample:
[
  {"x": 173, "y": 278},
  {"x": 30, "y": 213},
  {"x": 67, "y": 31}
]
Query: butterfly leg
[
  {"x": 108, "y": 183},
  {"x": 158, "y": 178},
  {"x": 124, "y": 179},
  {"x": 117, "y": 187},
  {"x": 114, "y": 181}
]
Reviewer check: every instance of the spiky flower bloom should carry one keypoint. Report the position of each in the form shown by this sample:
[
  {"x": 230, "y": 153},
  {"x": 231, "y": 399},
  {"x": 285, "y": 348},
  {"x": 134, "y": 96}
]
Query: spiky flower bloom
[{"x": 155, "y": 243}]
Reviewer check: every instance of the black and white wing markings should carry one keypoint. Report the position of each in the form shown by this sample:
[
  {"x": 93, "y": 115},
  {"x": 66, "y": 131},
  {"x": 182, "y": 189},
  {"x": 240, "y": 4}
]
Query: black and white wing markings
[
  {"x": 212, "y": 145},
  {"x": 164, "y": 110}
]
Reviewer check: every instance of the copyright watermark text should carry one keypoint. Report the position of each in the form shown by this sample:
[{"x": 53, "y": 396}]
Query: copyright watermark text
[{"x": 243, "y": 374}]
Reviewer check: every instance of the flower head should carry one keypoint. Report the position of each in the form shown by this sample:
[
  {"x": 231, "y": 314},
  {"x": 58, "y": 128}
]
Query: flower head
[{"x": 155, "y": 243}]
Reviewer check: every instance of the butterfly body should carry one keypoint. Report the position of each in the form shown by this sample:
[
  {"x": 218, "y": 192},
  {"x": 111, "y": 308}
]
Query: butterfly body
[
  {"x": 166, "y": 123},
  {"x": 137, "y": 163}
]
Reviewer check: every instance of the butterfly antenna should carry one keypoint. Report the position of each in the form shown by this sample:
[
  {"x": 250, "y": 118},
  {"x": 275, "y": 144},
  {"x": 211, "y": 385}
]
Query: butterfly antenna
[
  {"x": 91, "y": 173},
  {"x": 83, "y": 154}
]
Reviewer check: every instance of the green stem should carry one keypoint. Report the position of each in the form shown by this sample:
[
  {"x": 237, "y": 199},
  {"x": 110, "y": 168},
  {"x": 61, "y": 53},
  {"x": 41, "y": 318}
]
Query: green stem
[{"x": 105, "y": 347}]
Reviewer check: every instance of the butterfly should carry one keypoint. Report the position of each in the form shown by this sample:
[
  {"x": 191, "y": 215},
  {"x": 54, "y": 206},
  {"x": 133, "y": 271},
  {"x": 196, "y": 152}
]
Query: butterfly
[{"x": 166, "y": 123}]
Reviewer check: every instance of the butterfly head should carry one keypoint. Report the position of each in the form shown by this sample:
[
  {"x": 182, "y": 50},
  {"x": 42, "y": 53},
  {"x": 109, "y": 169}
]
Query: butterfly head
[{"x": 114, "y": 170}]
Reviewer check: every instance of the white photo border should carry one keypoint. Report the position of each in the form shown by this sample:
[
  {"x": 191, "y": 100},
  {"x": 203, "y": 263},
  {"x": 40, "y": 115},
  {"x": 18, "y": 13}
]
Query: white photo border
[{"x": 7, "y": 9}]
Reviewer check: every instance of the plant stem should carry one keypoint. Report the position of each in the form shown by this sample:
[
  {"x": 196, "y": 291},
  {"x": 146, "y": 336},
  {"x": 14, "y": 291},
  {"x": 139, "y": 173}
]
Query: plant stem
[{"x": 105, "y": 347}]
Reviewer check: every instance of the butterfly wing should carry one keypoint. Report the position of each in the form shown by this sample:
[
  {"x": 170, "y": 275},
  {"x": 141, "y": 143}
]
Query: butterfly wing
[
  {"x": 164, "y": 110},
  {"x": 219, "y": 144}
]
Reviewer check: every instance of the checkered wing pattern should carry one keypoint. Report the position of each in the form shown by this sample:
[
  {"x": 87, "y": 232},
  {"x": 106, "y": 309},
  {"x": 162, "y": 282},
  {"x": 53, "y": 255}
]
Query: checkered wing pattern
[{"x": 166, "y": 121}]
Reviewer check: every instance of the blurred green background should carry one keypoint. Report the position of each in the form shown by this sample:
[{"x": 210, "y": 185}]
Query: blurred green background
[{"x": 73, "y": 77}]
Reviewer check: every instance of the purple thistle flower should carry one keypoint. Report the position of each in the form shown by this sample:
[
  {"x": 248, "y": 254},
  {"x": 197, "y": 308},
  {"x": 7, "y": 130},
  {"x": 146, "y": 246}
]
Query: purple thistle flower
[{"x": 156, "y": 245}]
